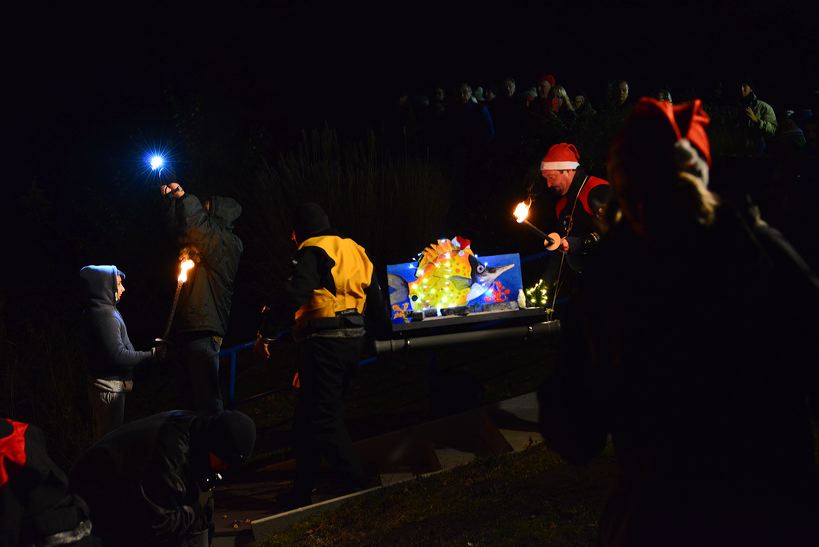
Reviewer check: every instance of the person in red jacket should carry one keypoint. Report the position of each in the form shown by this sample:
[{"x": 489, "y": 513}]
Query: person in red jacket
[
  {"x": 36, "y": 505},
  {"x": 581, "y": 201}
]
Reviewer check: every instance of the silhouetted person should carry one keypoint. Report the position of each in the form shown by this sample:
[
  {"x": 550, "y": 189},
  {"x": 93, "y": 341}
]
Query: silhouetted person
[
  {"x": 36, "y": 505},
  {"x": 150, "y": 481},
  {"x": 205, "y": 231},
  {"x": 614, "y": 113},
  {"x": 692, "y": 343},
  {"x": 759, "y": 120},
  {"x": 508, "y": 113}
]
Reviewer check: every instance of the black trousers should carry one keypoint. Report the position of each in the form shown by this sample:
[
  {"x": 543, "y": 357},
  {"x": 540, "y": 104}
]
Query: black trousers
[
  {"x": 324, "y": 366},
  {"x": 196, "y": 372}
]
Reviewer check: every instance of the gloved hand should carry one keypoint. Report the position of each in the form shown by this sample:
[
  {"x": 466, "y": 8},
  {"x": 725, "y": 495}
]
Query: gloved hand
[
  {"x": 751, "y": 115},
  {"x": 160, "y": 350},
  {"x": 262, "y": 347},
  {"x": 174, "y": 188}
]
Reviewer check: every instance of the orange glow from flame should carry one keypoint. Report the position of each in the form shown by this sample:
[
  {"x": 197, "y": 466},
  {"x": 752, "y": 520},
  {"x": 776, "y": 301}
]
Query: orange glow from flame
[
  {"x": 521, "y": 212},
  {"x": 184, "y": 266}
]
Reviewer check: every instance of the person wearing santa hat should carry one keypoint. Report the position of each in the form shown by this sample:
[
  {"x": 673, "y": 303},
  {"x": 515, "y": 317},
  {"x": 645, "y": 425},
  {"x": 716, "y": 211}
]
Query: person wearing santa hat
[
  {"x": 581, "y": 199},
  {"x": 691, "y": 344}
]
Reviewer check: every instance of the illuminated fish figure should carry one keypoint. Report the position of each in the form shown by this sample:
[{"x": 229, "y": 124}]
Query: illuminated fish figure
[{"x": 448, "y": 275}]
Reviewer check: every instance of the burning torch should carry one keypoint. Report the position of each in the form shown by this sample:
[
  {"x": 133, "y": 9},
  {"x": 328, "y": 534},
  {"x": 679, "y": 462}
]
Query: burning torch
[
  {"x": 550, "y": 241},
  {"x": 184, "y": 266}
]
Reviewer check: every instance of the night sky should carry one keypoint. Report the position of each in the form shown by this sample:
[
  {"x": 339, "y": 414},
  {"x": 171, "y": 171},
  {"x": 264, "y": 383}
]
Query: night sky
[
  {"x": 96, "y": 76},
  {"x": 90, "y": 84}
]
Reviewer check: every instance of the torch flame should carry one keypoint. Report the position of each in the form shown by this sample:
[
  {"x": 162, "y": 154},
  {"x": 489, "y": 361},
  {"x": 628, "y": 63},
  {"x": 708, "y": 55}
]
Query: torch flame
[
  {"x": 521, "y": 211},
  {"x": 184, "y": 266}
]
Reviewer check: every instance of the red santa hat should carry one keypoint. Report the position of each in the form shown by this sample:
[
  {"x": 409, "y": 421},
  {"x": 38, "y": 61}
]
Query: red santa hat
[
  {"x": 657, "y": 140},
  {"x": 656, "y": 123},
  {"x": 561, "y": 156},
  {"x": 547, "y": 77}
]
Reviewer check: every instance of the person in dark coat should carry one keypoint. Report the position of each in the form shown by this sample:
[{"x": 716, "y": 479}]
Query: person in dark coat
[
  {"x": 206, "y": 234},
  {"x": 691, "y": 343},
  {"x": 149, "y": 482},
  {"x": 110, "y": 355},
  {"x": 332, "y": 292},
  {"x": 578, "y": 211},
  {"x": 36, "y": 505}
]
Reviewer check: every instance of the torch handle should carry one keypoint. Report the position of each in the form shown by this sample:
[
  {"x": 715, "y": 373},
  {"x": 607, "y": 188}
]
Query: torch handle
[
  {"x": 173, "y": 310},
  {"x": 537, "y": 230}
]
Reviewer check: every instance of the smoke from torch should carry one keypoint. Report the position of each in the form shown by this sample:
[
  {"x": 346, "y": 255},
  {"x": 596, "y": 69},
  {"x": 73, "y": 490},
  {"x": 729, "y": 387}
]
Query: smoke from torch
[
  {"x": 184, "y": 266},
  {"x": 550, "y": 241}
]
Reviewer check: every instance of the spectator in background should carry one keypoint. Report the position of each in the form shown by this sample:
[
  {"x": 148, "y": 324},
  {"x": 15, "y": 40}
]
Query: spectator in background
[
  {"x": 470, "y": 123},
  {"x": 711, "y": 427},
  {"x": 760, "y": 120},
  {"x": 544, "y": 127},
  {"x": 110, "y": 355},
  {"x": 614, "y": 114},
  {"x": 437, "y": 104},
  {"x": 565, "y": 110},
  {"x": 470, "y": 130},
  {"x": 477, "y": 96},
  {"x": 587, "y": 134},
  {"x": 508, "y": 113},
  {"x": 583, "y": 107}
]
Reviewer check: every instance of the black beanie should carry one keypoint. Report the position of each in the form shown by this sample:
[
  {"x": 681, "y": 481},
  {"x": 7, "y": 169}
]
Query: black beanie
[
  {"x": 310, "y": 220},
  {"x": 232, "y": 436}
]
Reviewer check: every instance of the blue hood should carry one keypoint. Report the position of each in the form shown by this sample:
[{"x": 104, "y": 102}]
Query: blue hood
[{"x": 100, "y": 283}]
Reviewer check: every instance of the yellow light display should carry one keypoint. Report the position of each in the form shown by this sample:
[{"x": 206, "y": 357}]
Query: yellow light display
[{"x": 538, "y": 293}]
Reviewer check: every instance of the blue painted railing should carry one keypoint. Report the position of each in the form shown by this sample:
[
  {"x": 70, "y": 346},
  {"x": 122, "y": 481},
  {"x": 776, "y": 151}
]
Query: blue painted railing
[{"x": 232, "y": 353}]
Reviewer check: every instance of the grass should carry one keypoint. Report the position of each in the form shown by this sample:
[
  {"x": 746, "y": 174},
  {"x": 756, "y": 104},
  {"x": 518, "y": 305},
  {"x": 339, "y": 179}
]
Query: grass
[{"x": 525, "y": 498}]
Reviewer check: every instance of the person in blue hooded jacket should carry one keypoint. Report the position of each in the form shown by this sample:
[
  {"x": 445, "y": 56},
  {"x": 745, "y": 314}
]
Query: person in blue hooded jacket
[{"x": 110, "y": 355}]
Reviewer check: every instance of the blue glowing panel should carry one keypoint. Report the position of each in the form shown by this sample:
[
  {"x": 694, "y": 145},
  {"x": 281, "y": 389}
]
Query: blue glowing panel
[{"x": 460, "y": 282}]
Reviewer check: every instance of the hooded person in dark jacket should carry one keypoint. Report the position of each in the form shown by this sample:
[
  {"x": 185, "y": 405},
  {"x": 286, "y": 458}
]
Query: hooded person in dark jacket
[
  {"x": 150, "y": 481},
  {"x": 110, "y": 355},
  {"x": 205, "y": 231}
]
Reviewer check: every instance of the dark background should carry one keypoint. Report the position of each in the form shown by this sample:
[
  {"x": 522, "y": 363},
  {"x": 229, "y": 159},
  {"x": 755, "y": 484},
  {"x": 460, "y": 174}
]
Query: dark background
[
  {"x": 99, "y": 77},
  {"x": 93, "y": 87}
]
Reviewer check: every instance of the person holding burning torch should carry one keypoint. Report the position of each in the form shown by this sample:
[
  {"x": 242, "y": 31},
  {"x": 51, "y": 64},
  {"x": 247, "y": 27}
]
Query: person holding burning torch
[
  {"x": 581, "y": 200},
  {"x": 110, "y": 355},
  {"x": 199, "y": 315}
]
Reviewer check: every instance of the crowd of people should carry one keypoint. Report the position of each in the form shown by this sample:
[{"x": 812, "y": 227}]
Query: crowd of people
[{"x": 660, "y": 347}]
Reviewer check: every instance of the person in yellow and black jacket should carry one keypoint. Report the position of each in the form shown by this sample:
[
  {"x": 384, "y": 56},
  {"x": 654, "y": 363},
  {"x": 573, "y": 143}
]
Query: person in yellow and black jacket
[{"x": 332, "y": 290}]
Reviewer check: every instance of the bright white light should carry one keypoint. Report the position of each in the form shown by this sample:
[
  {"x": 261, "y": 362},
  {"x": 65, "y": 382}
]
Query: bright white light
[{"x": 157, "y": 162}]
